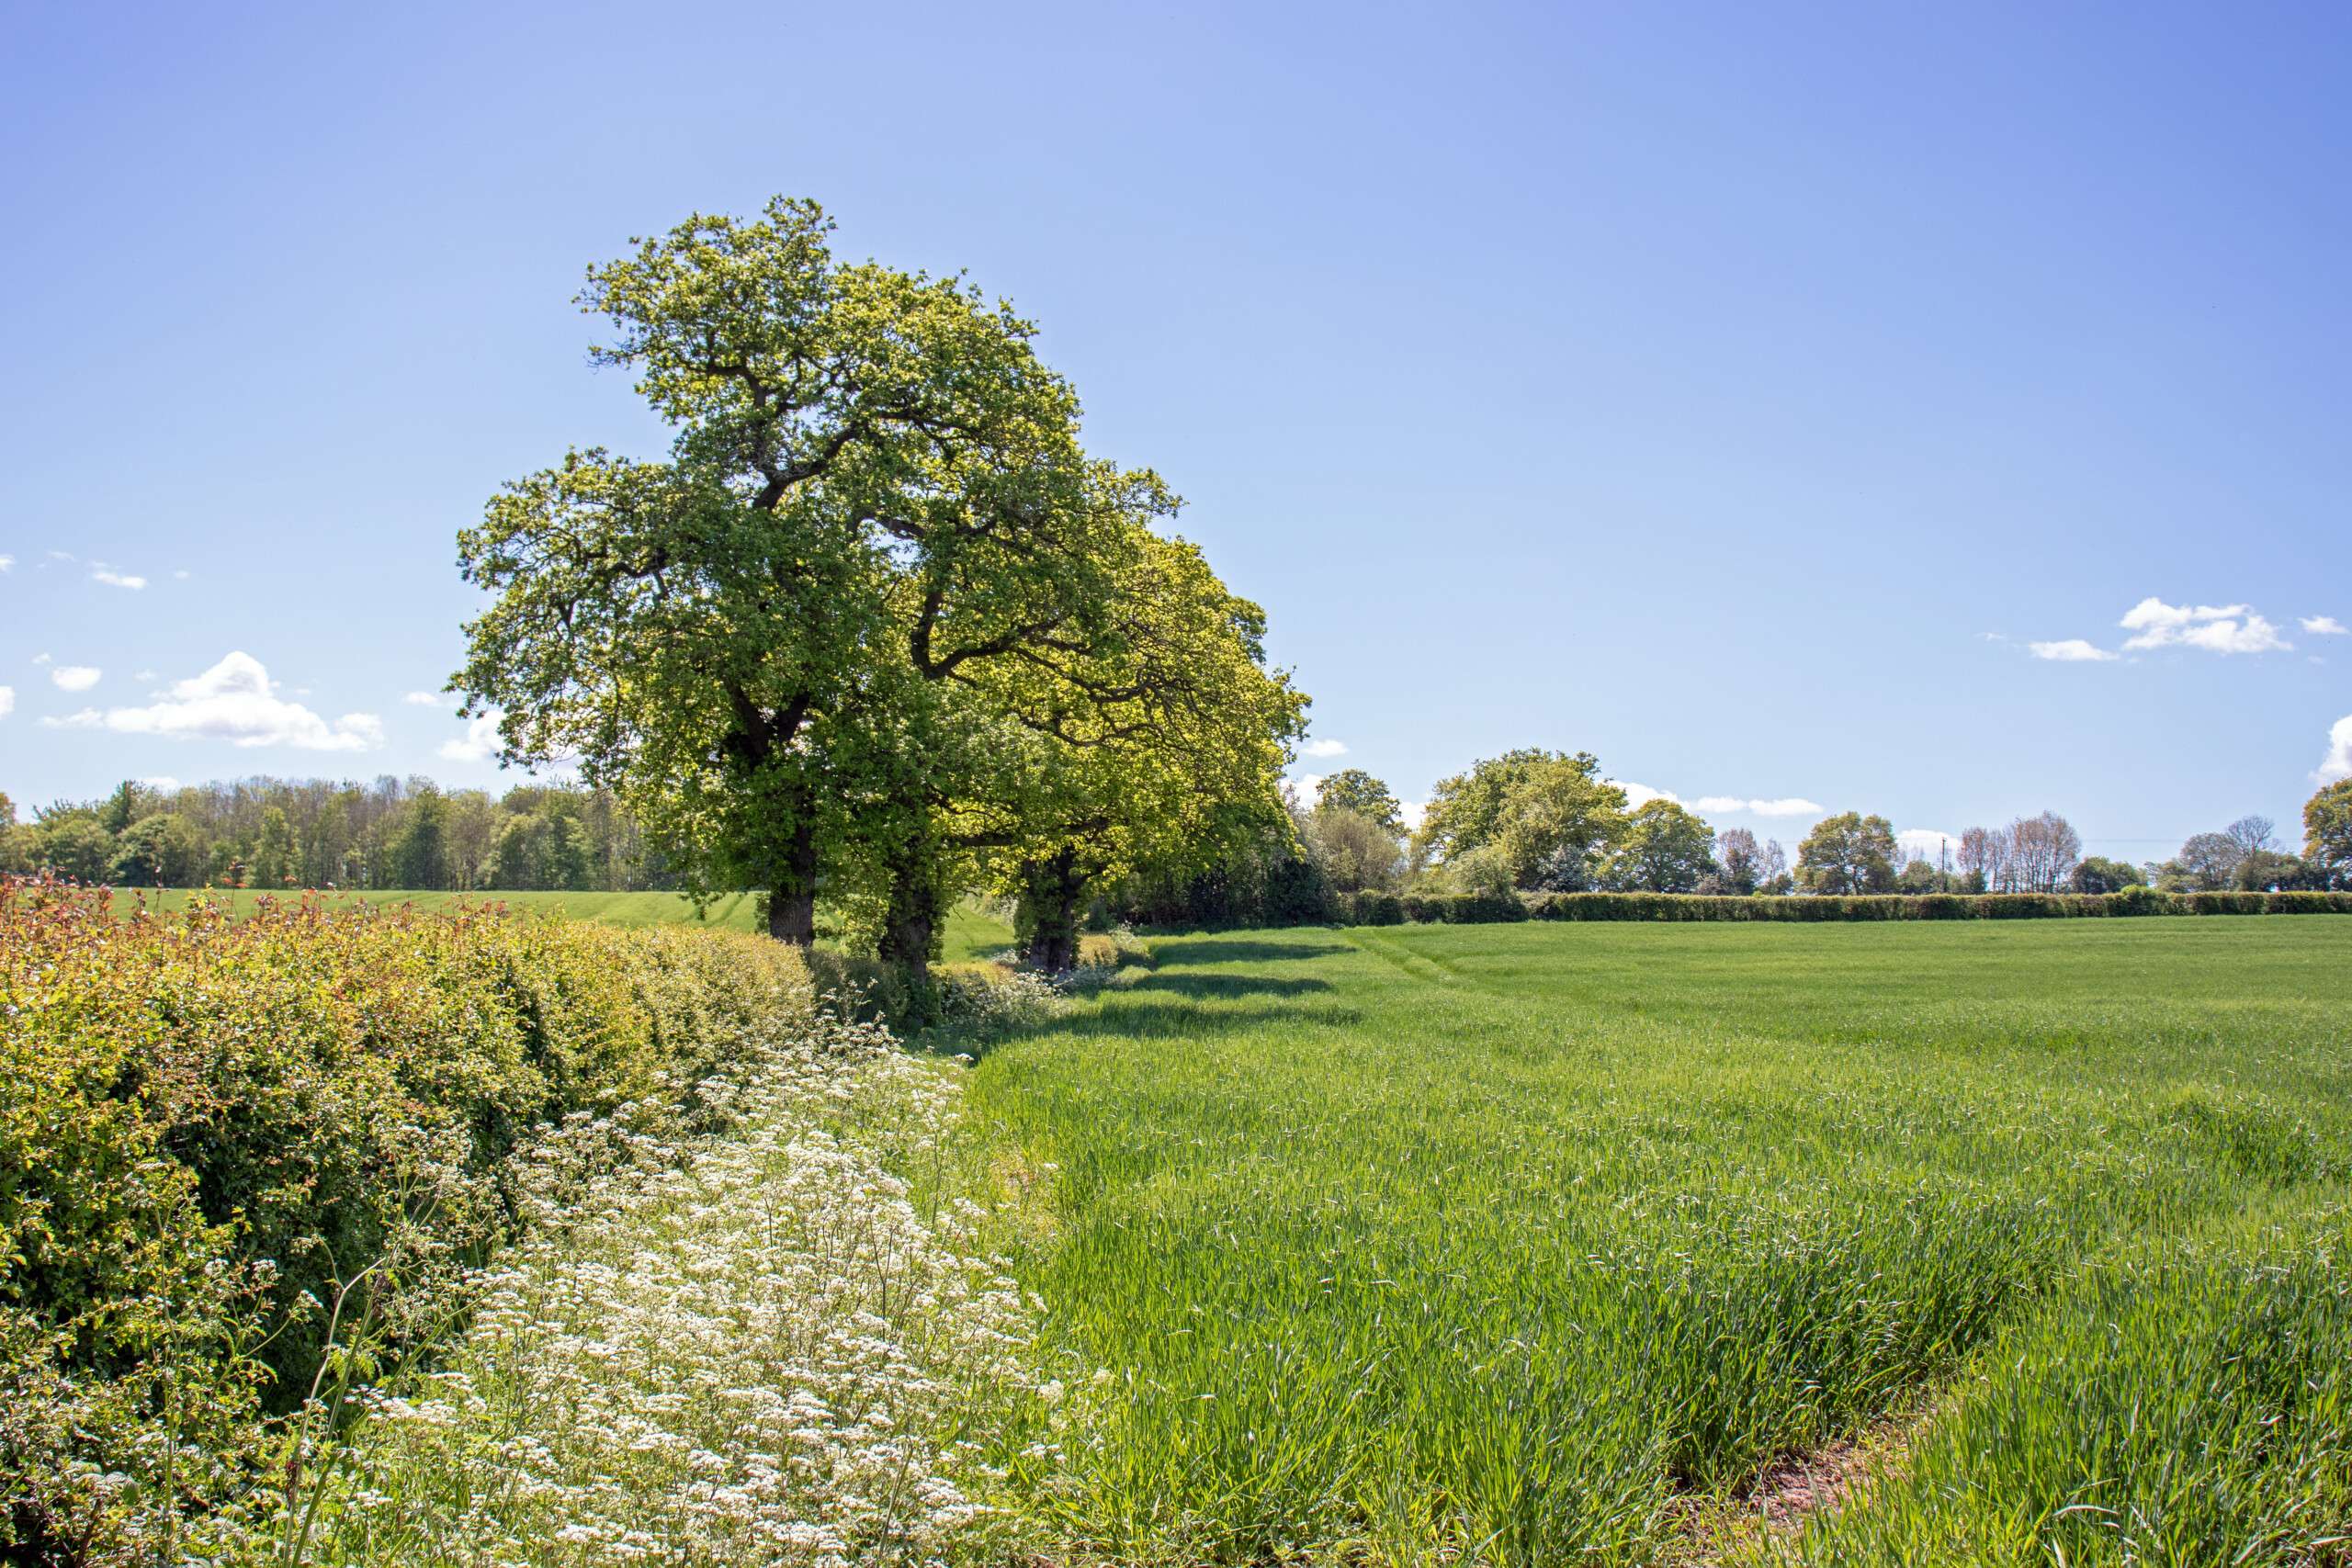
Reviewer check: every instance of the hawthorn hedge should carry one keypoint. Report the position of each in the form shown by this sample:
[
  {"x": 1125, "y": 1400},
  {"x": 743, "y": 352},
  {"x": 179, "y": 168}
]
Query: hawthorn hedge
[
  {"x": 1486, "y": 908},
  {"x": 205, "y": 1125}
]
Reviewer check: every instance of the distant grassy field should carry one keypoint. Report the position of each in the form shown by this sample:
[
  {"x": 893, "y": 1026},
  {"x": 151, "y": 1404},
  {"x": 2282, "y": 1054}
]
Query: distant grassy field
[
  {"x": 971, "y": 931},
  {"x": 1538, "y": 1245}
]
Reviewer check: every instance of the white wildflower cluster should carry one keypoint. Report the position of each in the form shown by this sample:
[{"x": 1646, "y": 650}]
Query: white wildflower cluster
[
  {"x": 987, "y": 1001},
  {"x": 756, "y": 1349}
]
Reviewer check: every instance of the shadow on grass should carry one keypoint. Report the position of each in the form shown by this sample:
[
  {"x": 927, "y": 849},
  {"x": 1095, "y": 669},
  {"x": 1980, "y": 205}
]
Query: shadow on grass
[
  {"x": 1233, "y": 950},
  {"x": 1207, "y": 986},
  {"x": 1141, "y": 1016}
]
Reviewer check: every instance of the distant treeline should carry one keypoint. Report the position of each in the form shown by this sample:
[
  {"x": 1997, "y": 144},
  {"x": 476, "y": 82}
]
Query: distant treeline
[
  {"x": 1542, "y": 835},
  {"x": 294, "y": 833}
]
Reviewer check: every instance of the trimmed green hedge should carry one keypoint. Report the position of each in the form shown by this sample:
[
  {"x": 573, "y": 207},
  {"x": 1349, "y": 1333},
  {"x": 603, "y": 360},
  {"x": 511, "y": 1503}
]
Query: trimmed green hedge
[
  {"x": 207, "y": 1124},
  {"x": 1482, "y": 909}
]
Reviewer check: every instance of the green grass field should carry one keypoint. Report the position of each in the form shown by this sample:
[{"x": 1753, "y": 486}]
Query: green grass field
[
  {"x": 971, "y": 931},
  {"x": 1533, "y": 1245}
]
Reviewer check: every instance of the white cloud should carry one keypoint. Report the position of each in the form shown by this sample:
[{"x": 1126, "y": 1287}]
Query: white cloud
[
  {"x": 61, "y": 555},
  {"x": 1928, "y": 841},
  {"x": 7, "y": 563},
  {"x": 2253, "y": 635},
  {"x": 1787, "y": 805},
  {"x": 2216, "y": 628},
  {"x": 1414, "y": 813},
  {"x": 88, "y": 719},
  {"x": 163, "y": 781},
  {"x": 1638, "y": 795},
  {"x": 101, "y": 572},
  {"x": 1323, "y": 749},
  {"x": 235, "y": 701},
  {"x": 428, "y": 700},
  {"x": 2325, "y": 625},
  {"x": 74, "y": 677},
  {"x": 2073, "y": 651},
  {"x": 143, "y": 675},
  {"x": 480, "y": 742},
  {"x": 7, "y": 701},
  {"x": 2337, "y": 764},
  {"x": 40, "y": 658},
  {"x": 1306, "y": 784}
]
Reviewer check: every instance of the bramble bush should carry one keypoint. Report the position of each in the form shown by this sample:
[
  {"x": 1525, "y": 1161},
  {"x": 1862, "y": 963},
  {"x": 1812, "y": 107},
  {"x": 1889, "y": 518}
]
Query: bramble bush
[
  {"x": 212, "y": 1126},
  {"x": 1371, "y": 908}
]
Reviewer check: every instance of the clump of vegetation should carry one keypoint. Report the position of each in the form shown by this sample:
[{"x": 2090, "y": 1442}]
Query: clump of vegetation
[
  {"x": 214, "y": 1128},
  {"x": 771, "y": 1345}
]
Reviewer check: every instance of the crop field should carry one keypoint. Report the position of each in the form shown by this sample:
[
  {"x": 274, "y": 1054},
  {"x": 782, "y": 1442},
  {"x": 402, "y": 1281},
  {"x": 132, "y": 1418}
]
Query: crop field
[
  {"x": 2012, "y": 1243},
  {"x": 970, "y": 931}
]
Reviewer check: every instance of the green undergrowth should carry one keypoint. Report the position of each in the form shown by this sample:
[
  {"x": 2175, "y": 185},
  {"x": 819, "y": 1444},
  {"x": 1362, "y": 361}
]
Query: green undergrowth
[{"x": 1505, "y": 1243}]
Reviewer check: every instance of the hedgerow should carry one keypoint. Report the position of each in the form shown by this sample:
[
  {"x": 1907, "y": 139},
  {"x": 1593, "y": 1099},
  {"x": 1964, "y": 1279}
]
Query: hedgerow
[
  {"x": 211, "y": 1126},
  {"x": 1369, "y": 909}
]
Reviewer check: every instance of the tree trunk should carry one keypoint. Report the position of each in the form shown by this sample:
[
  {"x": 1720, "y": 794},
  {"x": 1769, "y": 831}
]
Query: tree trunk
[
  {"x": 792, "y": 895},
  {"x": 1051, "y": 892},
  {"x": 911, "y": 926}
]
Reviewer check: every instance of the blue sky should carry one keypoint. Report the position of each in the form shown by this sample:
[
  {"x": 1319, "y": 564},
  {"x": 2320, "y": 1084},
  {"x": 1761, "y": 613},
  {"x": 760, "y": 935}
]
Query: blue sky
[{"x": 1739, "y": 393}]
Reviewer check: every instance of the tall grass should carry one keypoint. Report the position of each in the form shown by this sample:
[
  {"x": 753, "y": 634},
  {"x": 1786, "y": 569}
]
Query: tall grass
[
  {"x": 2182, "y": 1401},
  {"x": 1496, "y": 1245}
]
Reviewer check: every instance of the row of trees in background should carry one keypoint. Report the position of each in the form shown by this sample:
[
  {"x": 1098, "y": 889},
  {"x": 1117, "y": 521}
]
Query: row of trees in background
[
  {"x": 294, "y": 833},
  {"x": 1537, "y": 821},
  {"x": 1561, "y": 826}
]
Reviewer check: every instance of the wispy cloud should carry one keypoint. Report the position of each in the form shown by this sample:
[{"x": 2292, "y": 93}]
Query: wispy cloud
[
  {"x": 2325, "y": 625},
  {"x": 1314, "y": 748},
  {"x": 1926, "y": 842},
  {"x": 2337, "y": 764},
  {"x": 7, "y": 563},
  {"x": 235, "y": 701},
  {"x": 2216, "y": 628},
  {"x": 7, "y": 701},
  {"x": 481, "y": 743},
  {"x": 429, "y": 700},
  {"x": 101, "y": 572},
  {"x": 1640, "y": 794},
  {"x": 74, "y": 677},
  {"x": 2073, "y": 651},
  {"x": 1786, "y": 805}
]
